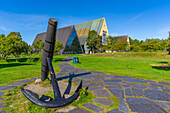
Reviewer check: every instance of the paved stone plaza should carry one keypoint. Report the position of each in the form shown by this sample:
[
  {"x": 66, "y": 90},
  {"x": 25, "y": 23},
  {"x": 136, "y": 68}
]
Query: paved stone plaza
[{"x": 135, "y": 95}]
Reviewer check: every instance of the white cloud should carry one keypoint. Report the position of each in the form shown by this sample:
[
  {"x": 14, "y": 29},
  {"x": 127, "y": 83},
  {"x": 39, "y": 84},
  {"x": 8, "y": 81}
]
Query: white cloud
[
  {"x": 3, "y": 28},
  {"x": 135, "y": 17}
]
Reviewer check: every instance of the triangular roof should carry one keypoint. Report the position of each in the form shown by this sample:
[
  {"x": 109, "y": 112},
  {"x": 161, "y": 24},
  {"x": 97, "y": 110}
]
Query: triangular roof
[
  {"x": 83, "y": 29},
  {"x": 62, "y": 35}
]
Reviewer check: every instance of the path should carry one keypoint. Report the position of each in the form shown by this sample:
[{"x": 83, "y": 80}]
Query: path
[{"x": 135, "y": 95}]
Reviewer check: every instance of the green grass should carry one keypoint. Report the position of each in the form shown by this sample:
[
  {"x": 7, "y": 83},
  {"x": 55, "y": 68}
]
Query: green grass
[
  {"x": 14, "y": 70},
  {"x": 139, "y": 67},
  {"x": 16, "y": 102}
]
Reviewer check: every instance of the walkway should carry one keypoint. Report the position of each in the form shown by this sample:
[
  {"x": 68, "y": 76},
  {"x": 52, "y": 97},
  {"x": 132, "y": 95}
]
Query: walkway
[{"x": 135, "y": 95}]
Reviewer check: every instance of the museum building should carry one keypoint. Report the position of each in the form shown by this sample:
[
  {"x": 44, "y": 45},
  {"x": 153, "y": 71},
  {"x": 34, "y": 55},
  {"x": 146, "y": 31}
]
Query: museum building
[{"x": 74, "y": 37}]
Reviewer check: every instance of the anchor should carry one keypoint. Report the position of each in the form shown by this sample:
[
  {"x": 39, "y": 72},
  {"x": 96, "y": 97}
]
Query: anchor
[{"x": 58, "y": 101}]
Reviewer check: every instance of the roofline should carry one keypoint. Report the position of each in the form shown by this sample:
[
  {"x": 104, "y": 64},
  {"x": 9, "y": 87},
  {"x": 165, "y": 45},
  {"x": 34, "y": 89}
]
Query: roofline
[
  {"x": 90, "y": 21},
  {"x": 120, "y": 36}
]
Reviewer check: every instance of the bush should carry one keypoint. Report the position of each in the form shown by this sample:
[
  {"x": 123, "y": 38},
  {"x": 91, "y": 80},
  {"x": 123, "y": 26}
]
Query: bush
[
  {"x": 169, "y": 63},
  {"x": 33, "y": 60}
]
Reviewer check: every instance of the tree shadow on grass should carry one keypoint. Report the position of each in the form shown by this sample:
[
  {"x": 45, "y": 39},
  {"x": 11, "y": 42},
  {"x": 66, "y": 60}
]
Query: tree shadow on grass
[
  {"x": 13, "y": 65},
  {"x": 163, "y": 62},
  {"x": 22, "y": 59},
  {"x": 58, "y": 59},
  {"x": 161, "y": 68}
]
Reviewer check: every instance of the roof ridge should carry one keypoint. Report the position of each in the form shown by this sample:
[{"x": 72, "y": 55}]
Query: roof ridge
[{"x": 90, "y": 21}]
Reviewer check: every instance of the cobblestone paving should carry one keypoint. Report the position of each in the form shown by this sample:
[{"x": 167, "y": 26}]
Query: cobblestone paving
[{"x": 135, "y": 95}]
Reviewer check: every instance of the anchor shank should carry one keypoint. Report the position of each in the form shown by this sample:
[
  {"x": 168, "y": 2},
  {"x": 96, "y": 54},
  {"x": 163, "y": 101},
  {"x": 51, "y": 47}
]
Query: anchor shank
[{"x": 56, "y": 89}]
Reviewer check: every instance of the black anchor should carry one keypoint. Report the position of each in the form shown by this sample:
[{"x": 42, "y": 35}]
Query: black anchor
[{"x": 58, "y": 101}]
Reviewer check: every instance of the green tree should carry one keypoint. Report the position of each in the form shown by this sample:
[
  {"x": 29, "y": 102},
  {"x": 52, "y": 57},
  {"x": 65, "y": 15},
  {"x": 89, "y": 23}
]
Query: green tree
[
  {"x": 14, "y": 34},
  {"x": 94, "y": 41},
  {"x": 168, "y": 44},
  {"x": 38, "y": 45},
  {"x": 12, "y": 44},
  {"x": 135, "y": 45},
  {"x": 5, "y": 48},
  {"x": 16, "y": 44},
  {"x": 58, "y": 47},
  {"x": 151, "y": 45},
  {"x": 120, "y": 45},
  {"x": 26, "y": 48}
]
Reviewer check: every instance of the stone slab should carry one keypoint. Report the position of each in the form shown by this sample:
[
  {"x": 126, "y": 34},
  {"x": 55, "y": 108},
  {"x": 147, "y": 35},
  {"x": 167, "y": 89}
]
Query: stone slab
[
  {"x": 115, "y": 111},
  {"x": 164, "y": 83},
  {"x": 140, "y": 86},
  {"x": 16, "y": 84},
  {"x": 113, "y": 80},
  {"x": 128, "y": 92},
  {"x": 94, "y": 84},
  {"x": 117, "y": 92},
  {"x": 2, "y": 105},
  {"x": 153, "y": 88},
  {"x": 137, "y": 92},
  {"x": 1, "y": 93},
  {"x": 111, "y": 84},
  {"x": 165, "y": 105},
  {"x": 157, "y": 85},
  {"x": 135, "y": 80},
  {"x": 101, "y": 93},
  {"x": 95, "y": 88},
  {"x": 122, "y": 105},
  {"x": 157, "y": 95},
  {"x": 150, "y": 81},
  {"x": 3, "y": 111},
  {"x": 33, "y": 79},
  {"x": 123, "y": 76},
  {"x": 115, "y": 87},
  {"x": 143, "y": 105},
  {"x": 106, "y": 102},
  {"x": 78, "y": 110},
  {"x": 93, "y": 107},
  {"x": 25, "y": 81},
  {"x": 1, "y": 98},
  {"x": 7, "y": 87}
]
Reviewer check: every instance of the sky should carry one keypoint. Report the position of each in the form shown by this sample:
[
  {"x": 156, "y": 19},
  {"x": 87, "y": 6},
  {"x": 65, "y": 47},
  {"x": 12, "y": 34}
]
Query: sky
[{"x": 140, "y": 19}]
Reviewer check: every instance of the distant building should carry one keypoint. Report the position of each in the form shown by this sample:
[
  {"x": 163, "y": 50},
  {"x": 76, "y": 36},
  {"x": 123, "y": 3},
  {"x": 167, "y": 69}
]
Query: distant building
[
  {"x": 126, "y": 37},
  {"x": 68, "y": 36},
  {"x": 74, "y": 37},
  {"x": 83, "y": 29}
]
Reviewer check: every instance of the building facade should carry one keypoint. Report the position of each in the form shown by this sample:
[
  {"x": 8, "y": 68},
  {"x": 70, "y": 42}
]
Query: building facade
[
  {"x": 74, "y": 37},
  {"x": 66, "y": 35}
]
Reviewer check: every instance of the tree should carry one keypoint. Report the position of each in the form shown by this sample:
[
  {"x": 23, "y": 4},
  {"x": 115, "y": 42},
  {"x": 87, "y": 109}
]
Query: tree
[
  {"x": 15, "y": 44},
  {"x": 151, "y": 45},
  {"x": 14, "y": 34},
  {"x": 26, "y": 48},
  {"x": 5, "y": 48},
  {"x": 135, "y": 45},
  {"x": 120, "y": 45},
  {"x": 94, "y": 41},
  {"x": 168, "y": 43},
  {"x": 12, "y": 44},
  {"x": 58, "y": 47},
  {"x": 38, "y": 45}
]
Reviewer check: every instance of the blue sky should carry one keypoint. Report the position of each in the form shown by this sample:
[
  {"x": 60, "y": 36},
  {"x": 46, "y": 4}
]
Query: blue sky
[{"x": 140, "y": 19}]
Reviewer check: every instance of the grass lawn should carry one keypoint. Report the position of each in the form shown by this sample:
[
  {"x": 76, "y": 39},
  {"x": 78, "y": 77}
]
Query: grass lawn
[
  {"x": 140, "y": 67},
  {"x": 13, "y": 71}
]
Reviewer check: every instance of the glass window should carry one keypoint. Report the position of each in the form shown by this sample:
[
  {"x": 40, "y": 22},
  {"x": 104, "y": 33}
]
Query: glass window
[{"x": 73, "y": 44}]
